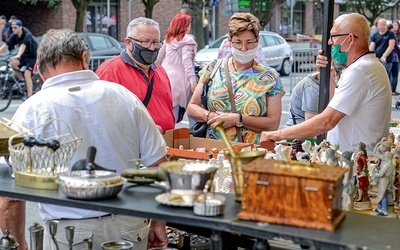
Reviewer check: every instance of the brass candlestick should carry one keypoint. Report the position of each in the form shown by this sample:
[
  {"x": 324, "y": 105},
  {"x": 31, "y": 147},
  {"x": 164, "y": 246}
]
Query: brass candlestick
[{"x": 237, "y": 160}]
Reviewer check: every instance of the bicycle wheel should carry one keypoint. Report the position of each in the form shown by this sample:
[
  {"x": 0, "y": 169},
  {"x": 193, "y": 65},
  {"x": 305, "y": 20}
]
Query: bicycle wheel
[{"x": 5, "y": 94}]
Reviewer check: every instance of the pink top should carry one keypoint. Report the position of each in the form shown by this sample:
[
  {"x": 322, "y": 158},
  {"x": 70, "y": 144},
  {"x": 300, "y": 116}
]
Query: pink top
[{"x": 177, "y": 58}]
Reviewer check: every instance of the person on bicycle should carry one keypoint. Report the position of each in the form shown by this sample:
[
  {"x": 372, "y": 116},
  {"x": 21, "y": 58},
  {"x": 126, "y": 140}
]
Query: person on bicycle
[{"x": 26, "y": 55}]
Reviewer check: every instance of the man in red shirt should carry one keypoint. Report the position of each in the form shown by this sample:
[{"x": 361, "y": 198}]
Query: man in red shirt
[{"x": 135, "y": 69}]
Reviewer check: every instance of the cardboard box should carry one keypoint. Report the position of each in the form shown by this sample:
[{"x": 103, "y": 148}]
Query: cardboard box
[
  {"x": 292, "y": 193},
  {"x": 181, "y": 137}
]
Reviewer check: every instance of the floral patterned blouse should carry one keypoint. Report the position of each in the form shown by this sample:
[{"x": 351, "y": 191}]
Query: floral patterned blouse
[{"x": 251, "y": 89}]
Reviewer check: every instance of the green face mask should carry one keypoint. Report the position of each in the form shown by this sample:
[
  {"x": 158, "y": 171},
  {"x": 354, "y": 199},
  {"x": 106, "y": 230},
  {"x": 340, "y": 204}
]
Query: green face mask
[{"x": 337, "y": 55}]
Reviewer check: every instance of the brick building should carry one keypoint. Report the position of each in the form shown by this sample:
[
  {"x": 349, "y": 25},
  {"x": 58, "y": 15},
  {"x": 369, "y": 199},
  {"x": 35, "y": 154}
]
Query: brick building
[
  {"x": 306, "y": 16},
  {"x": 38, "y": 19}
]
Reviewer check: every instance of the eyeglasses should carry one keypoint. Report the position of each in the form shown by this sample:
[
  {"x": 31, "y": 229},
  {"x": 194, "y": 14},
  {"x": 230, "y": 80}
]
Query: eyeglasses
[
  {"x": 14, "y": 27},
  {"x": 337, "y": 35},
  {"x": 147, "y": 44},
  {"x": 248, "y": 44}
]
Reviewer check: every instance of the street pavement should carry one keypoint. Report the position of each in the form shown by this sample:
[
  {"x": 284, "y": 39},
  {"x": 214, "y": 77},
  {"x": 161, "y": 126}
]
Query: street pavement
[{"x": 32, "y": 208}]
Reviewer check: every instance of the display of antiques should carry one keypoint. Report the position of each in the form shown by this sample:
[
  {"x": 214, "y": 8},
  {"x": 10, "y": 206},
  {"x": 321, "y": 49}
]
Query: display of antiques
[
  {"x": 177, "y": 239},
  {"x": 298, "y": 183}
]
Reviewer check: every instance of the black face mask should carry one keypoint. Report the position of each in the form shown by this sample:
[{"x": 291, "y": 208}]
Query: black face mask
[{"x": 144, "y": 55}]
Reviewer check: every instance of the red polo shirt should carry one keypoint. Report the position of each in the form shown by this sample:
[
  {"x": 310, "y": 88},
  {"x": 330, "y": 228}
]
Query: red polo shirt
[{"x": 131, "y": 76}]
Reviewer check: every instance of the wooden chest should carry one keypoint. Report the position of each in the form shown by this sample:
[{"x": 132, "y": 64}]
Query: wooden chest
[{"x": 292, "y": 193}]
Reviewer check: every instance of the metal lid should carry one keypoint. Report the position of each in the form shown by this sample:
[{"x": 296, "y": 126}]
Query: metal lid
[{"x": 35, "y": 227}]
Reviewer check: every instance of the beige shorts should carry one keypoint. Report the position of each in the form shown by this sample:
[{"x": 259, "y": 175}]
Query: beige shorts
[{"x": 103, "y": 229}]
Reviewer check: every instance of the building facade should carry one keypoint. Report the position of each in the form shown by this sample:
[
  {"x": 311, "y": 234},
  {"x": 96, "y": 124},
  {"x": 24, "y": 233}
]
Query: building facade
[{"x": 112, "y": 16}]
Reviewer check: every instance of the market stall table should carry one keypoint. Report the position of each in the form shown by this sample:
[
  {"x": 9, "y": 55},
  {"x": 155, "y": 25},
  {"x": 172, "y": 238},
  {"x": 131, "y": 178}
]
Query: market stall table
[{"x": 355, "y": 232}]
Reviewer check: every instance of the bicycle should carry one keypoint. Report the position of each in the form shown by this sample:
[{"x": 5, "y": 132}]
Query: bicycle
[{"x": 10, "y": 87}]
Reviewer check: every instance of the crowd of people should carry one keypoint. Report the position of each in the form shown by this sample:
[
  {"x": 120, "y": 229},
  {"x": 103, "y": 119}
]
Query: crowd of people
[{"x": 132, "y": 99}]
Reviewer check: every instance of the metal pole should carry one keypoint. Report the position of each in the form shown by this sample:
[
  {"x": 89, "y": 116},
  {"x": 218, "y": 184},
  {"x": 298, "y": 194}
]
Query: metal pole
[
  {"x": 214, "y": 25},
  {"x": 325, "y": 74},
  {"x": 108, "y": 14},
  {"x": 291, "y": 17}
]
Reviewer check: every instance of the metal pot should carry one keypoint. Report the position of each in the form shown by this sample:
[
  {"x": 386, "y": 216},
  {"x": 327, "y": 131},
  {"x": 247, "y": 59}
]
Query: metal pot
[
  {"x": 120, "y": 244},
  {"x": 188, "y": 180},
  {"x": 90, "y": 185}
]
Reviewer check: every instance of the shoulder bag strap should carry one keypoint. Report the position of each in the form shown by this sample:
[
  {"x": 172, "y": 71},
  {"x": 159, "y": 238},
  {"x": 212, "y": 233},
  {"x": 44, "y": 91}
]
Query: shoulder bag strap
[
  {"x": 231, "y": 97},
  {"x": 149, "y": 92},
  {"x": 206, "y": 84}
]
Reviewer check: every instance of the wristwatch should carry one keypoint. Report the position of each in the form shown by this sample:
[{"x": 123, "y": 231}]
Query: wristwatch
[{"x": 239, "y": 124}]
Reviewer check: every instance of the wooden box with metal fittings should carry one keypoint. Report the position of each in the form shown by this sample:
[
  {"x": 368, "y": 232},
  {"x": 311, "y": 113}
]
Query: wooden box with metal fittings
[{"x": 292, "y": 193}]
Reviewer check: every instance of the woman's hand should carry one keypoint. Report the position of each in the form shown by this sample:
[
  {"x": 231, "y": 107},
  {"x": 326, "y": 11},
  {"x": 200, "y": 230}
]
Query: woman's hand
[{"x": 229, "y": 119}]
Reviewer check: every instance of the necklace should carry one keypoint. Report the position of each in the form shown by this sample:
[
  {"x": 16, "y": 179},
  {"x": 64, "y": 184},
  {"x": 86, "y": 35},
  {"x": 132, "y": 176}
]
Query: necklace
[{"x": 233, "y": 64}]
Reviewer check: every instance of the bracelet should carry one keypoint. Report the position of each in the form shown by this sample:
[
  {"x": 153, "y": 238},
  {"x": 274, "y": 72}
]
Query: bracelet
[{"x": 208, "y": 115}]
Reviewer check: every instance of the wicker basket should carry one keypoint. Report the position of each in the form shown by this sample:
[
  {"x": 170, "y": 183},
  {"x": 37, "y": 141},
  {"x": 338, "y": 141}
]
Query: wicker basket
[{"x": 40, "y": 162}]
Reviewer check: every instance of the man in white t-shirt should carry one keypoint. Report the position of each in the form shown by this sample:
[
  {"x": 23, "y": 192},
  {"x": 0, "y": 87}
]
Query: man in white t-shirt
[
  {"x": 105, "y": 115},
  {"x": 361, "y": 106}
]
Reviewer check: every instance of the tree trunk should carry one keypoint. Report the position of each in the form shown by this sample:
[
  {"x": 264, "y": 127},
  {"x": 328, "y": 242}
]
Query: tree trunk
[
  {"x": 81, "y": 7},
  {"x": 196, "y": 12},
  {"x": 149, "y": 6}
]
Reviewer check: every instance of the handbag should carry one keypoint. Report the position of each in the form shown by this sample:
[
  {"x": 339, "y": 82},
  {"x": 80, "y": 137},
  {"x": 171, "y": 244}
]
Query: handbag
[{"x": 199, "y": 129}]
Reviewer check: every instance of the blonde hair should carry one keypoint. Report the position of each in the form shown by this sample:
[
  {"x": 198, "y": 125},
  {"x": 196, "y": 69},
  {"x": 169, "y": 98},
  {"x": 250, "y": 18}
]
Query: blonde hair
[{"x": 241, "y": 22}]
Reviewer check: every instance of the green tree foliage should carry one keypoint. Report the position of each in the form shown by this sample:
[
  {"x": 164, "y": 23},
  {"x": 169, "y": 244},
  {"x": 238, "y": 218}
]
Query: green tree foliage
[
  {"x": 372, "y": 9},
  {"x": 80, "y": 6},
  {"x": 50, "y": 3},
  {"x": 263, "y": 10}
]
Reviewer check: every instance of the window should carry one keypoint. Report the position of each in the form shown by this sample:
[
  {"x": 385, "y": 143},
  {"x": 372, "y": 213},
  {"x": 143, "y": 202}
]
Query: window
[{"x": 270, "y": 40}]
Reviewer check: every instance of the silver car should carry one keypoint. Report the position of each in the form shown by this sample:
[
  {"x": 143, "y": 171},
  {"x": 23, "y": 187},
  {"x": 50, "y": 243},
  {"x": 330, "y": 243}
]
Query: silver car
[{"x": 277, "y": 52}]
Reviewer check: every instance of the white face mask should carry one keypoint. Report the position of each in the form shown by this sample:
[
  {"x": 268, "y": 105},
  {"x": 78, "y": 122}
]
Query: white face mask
[{"x": 243, "y": 57}]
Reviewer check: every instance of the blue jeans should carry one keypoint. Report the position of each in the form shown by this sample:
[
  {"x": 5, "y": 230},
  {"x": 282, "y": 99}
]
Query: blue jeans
[
  {"x": 388, "y": 67},
  {"x": 383, "y": 204}
]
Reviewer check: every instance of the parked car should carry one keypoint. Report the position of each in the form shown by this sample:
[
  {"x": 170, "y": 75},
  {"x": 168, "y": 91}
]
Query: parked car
[
  {"x": 99, "y": 44},
  {"x": 101, "y": 47},
  {"x": 277, "y": 52}
]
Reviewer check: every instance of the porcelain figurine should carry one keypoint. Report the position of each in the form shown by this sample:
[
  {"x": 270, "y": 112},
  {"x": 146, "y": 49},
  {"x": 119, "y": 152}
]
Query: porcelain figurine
[
  {"x": 386, "y": 177},
  {"x": 332, "y": 158},
  {"x": 361, "y": 199},
  {"x": 396, "y": 185},
  {"x": 296, "y": 148},
  {"x": 282, "y": 152},
  {"x": 305, "y": 156},
  {"x": 320, "y": 151},
  {"x": 348, "y": 184}
]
